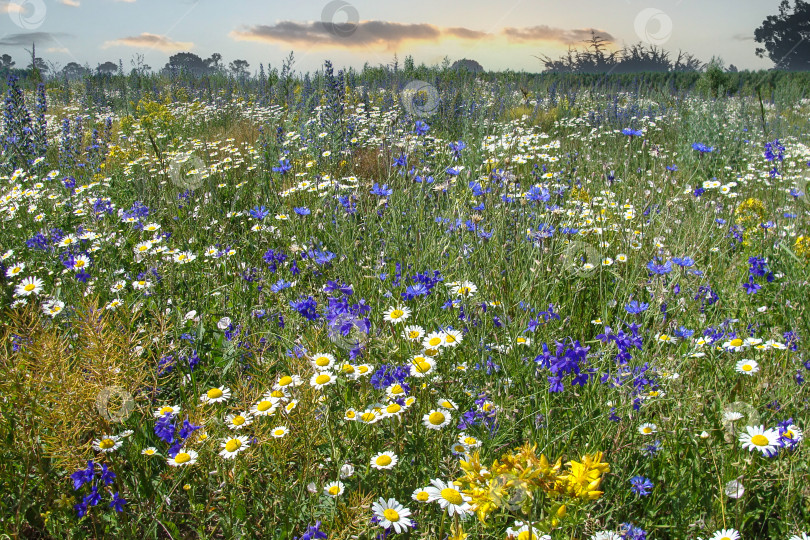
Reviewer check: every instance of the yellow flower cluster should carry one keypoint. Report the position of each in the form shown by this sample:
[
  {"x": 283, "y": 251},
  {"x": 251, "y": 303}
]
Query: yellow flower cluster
[
  {"x": 802, "y": 247},
  {"x": 751, "y": 212},
  {"x": 511, "y": 483}
]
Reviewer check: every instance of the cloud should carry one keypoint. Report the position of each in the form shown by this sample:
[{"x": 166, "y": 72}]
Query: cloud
[
  {"x": 8, "y": 7},
  {"x": 550, "y": 33},
  {"x": 57, "y": 50},
  {"x": 391, "y": 34},
  {"x": 19, "y": 40},
  {"x": 71, "y": 3},
  {"x": 361, "y": 34},
  {"x": 742, "y": 37},
  {"x": 149, "y": 41}
]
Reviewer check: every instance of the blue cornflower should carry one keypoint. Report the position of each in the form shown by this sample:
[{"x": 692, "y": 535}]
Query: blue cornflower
[
  {"x": 107, "y": 476},
  {"x": 259, "y": 212},
  {"x": 751, "y": 287},
  {"x": 306, "y": 307},
  {"x": 302, "y": 210},
  {"x": 632, "y": 132},
  {"x": 118, "y": 502},
  {"x": 660, "y": 269},
  {"x": 313, "y": 532},
  {"x": 702, "y": 148},
  {"x": 383, "y": 191},
  {"x": 280, "y": 285},
  {"x": 641, "y": 485},
  {"x": 284, "y": 166},
  {"x": 457, "y": 147},
  {"x": 634, "y": 307},
  {"x": 684, "y": 261},
  {"x": 421, "y": 127}
]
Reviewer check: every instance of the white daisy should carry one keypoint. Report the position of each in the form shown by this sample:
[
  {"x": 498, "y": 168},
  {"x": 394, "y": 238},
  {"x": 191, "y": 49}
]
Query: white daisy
[
  {"x": 392, "y": 514},
  {"x": 384, "y": 460},
  {"x": 759, "y": 438},
  {"x": 232, "y": 446},
  {"x": 183, "y": 457},
  {"x": 449, "y": 498}
]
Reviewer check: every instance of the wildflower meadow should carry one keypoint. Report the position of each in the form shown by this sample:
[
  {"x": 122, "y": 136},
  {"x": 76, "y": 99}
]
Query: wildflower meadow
[{"x": 405, "y": 303}]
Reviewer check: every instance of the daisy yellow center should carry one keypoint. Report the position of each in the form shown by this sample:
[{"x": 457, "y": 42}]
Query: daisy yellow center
[
  {"x": 396, "y": 389},
  {"x": 434, "y": 341},
  {"x": 182, "y": 457},
  {"x": 664, "y": 337},
  {"x": 277, "y": 394},
  {"x": 521, "y": 340},
  {"x": 263, "y": 406},
  {"x": 526, "y": 535},
  {"x": 759, "y": 440},
  {"x": 368, "y": 417},
  {"x": 149, "y": 452},
  {"x": 30, "y": 287},
  {"x": 422, "y": 366},
  {"x": 469, "y": 440},
  {"x": 79, "y": 263},
  {"x": 106, "y": 443},
  {"x": 413, "y": 334},
  {"x": 447, "y": 405},
  {"x": 143, "y": 248},
  {"x": 397, "y": 313},
  {"x": 422, "y": 496},
  {"x": 391, "y": 515},
  {"x": 452, "y": 496},
  {"x": 362, "y": 369},
  {"x": 748, "y": 367},
  {"x": 736, "y": 342},
  {"x": 322, "y": 361},
  {"x": 238, "y": 420},
  {"x": 384, "y": 461},
  {"x": 464, "y": 290},
  {"x": 450, "y": 338},
  {"x": 165, "y": 410},
  {"x": 393, "y": 408},
  {"x": 436, "y": 418},
  {"x": 647, "y": 429},
  {"x": 334, "y": 490},
  {"x": 233, "y": 445},
  {"x": 350, "y": 414},
  {"x": 726, "y": 538},
  {"x": 214, "y": 393},
  {"x": 348, "y": 369},
  {"x": 279, "y": 432},
  {"x": 322, "y": 379}
]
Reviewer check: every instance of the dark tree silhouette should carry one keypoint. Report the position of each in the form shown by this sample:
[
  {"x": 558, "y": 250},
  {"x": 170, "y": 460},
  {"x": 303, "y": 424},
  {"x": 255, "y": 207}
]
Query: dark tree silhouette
[
  {"x": 239, "y": 68},
  {"x": 786, "y": 37},
  {"x": 186, "y": 62},
  {"x": 464, "y": 64},
  {"x": 73, "y": 70},
  {"x": 107, "y": 68},
  {"x": 6, "y": 62}
]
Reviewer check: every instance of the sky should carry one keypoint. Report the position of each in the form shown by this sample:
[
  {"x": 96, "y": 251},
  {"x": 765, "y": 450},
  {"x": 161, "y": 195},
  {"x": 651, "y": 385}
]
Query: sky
[{"x": 506, "y": 35}]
